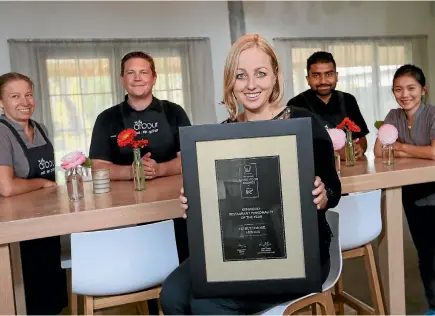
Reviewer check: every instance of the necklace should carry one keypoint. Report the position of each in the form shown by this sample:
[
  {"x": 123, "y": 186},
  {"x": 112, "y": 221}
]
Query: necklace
[{"x": 274, "y": 116}]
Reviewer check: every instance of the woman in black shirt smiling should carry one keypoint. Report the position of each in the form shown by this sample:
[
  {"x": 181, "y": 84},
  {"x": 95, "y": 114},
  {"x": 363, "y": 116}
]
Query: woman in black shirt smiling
[{"x": 252, "y": 77}]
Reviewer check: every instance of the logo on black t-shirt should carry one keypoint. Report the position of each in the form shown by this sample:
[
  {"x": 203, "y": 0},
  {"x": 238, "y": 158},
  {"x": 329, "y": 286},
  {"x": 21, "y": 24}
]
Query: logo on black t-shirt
[{"x": 145, "y": 127}]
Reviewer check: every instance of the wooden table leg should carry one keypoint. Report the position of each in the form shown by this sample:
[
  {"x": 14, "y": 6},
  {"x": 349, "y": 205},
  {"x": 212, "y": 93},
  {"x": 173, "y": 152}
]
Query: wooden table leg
[
  {"x": 7, "y": 302},
  {"x": 391, "y": 262},
  {"x": 17, "y": 276}
]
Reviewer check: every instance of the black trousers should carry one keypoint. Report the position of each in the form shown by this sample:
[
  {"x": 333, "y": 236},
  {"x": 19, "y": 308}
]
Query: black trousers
[
  {"x": 44, "y": 280},
  {"x": 421, "y": 222},
  {"x": 176, "y": 297}
]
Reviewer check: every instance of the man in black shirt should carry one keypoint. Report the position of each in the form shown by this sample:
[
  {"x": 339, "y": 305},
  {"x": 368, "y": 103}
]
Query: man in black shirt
[
  {"x": 152, "y": 119},
  {"x": 330, "y": 105}
]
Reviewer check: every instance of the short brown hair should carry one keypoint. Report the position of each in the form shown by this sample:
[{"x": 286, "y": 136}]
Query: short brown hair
[
  {"x": 138, "y": 54},
  {"x": 12, "y": 76},
  {"x": 243, "y": 43}
]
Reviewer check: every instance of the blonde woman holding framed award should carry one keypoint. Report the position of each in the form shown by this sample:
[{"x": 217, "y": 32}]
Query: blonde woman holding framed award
[{"x": 258, "y": 191}]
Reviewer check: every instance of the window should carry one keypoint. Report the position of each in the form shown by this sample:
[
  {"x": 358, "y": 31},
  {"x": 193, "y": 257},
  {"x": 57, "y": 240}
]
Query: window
[
  {"x": 78, "y": 90},
  {"x": 81, "y": 88},
  {"x": 75, "y": 80},
  {"x": 365, "y": 69},
  {"x": 169, "y": 85}
]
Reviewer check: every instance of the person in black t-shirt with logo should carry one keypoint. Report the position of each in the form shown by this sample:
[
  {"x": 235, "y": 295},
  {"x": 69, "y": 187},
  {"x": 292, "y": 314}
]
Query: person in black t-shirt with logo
[
  {"x": 330, "y": 105},
  {"x": 152, "y": 119}
]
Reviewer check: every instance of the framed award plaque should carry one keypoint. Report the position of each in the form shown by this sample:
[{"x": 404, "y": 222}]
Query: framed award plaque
[{"x": 252, "y": 224}]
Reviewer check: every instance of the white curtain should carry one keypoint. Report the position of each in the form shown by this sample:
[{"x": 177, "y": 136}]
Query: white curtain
[
  {"x": 365, "y": 69},
  {"x": 75, "y": 80}
]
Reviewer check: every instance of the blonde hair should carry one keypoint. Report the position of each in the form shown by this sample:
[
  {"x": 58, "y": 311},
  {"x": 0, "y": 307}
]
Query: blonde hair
[{"x": 245, "y": 42}]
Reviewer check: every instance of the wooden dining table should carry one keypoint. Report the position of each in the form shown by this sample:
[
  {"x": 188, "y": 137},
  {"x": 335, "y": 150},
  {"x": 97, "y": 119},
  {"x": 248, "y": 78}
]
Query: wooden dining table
[
  {"x": 372, "y": 174},
  {"x": 48, "y": 212}
]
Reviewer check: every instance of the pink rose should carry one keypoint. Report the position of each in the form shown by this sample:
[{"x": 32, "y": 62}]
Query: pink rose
[
  {"x": 338, "y": 138},
  {"x": 73, "y": 160},
  {"x": 387, "y": 134}
]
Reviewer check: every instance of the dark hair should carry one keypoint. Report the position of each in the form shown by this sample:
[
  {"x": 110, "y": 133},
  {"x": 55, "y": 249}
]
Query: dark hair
[
  {"x": 142, "y": 55},
  {"x": 320, "y": 57},
  {"x": 12, "y": 76},
  {"x": 410, "y": 70}
]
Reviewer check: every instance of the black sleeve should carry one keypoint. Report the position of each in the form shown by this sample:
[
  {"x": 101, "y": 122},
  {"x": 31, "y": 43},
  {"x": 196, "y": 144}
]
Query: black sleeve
[
  {"x": 100, "y": 142},
  {"x": 177, "y": 117},
  {"x": 356, "y": 116},
  {"x": 324, "y": 165},
  {"x": 324, "y": 162}
]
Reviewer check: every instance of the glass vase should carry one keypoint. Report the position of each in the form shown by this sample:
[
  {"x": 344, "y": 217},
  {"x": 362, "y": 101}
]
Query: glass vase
[
  {"x": 74, "y": 184},
  {"x": 388, "y": 154},
  {"x": 337, "y": 162},
  {"x": 349, "y": 150},
  {"x": 138, "y": 171}
]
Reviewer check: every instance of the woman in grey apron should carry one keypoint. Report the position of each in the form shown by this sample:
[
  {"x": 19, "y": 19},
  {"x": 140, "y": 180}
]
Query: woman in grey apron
[{"x": 44, "y": 279}]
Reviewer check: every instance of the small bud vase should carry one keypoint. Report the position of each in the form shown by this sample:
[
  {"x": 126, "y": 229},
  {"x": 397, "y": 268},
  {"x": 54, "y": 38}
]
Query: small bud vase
[
  {"x": 349, "y": 150},
  {"x": 388, "y": 154},
  {"x": 74, "y": 183},
  {"x": 138, "y": 171}
]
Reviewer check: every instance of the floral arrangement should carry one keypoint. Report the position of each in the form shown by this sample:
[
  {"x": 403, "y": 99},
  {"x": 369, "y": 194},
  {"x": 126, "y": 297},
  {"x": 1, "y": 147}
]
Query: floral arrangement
[
  {"x": 338, "y": 138},
  {"x": 388, "y": 134},
  {"x": 75, "y": 159},
  {"x": 349, "y": 125},
  {"x": 126, "y": 138}
]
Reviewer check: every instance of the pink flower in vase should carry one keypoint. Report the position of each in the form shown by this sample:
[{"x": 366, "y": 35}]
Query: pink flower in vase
[
  {"x": 338, "y": 137},
  {"x": 73, "y": 160},
  {"x": 387, "y": 134}
]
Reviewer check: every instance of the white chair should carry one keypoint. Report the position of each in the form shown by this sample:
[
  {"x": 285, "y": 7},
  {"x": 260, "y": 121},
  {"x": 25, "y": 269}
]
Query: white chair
[
  {"x": 360, "y": 224},
  {"x": 324, "y": 299},
  {"x": 121, "y": 266}
]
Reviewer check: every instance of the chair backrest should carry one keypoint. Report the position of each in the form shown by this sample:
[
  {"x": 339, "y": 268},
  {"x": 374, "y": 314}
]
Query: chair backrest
[
  {"x": 360, "y": 218},
  {"x": 336, "y": 264},
  {"x": 336, "y": 260},
  {"x": 124, "y": 260}
]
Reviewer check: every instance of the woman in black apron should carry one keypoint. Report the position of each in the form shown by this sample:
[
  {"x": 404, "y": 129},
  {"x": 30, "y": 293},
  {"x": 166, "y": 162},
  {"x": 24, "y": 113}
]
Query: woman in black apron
[{"x": 44, "y": 279}]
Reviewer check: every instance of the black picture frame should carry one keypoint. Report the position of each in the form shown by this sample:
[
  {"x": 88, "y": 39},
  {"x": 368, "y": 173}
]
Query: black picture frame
[{"x": 260, "y": 131}]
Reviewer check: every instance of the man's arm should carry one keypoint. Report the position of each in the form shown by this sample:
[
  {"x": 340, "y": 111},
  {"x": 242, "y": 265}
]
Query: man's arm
[
  {"x": 359, "y": 147},
  {"x": 100, "y": 151},
  {"x": 360, "y": 140},
  {"x": 117, "y": 172},
  {"x": 177, "y": 118},
  {"x": 170, "y": 168}
]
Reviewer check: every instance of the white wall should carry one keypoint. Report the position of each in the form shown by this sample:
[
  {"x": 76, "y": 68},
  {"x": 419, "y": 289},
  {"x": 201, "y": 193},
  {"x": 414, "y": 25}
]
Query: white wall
[
  {"x": 120, "y": 20},
  {"x": 345, "y": 19},
  {"x": 271, "y": 19}
]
